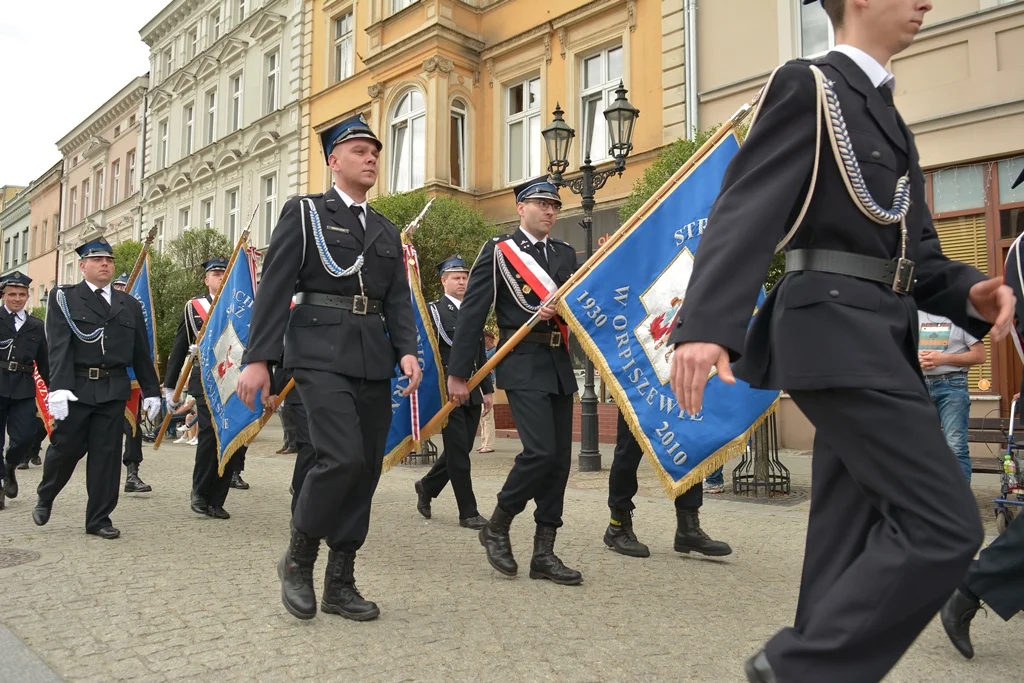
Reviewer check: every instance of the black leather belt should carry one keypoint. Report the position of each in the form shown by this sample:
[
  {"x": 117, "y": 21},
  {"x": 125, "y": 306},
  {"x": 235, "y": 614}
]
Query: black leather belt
[
  {"x": 553, "y": 338},
  {"x": 897, "y": 273},
  {"x": 15, "y": 366},
  {"x": 359, "y": 305},
  {"x": 100, "y": 373}
]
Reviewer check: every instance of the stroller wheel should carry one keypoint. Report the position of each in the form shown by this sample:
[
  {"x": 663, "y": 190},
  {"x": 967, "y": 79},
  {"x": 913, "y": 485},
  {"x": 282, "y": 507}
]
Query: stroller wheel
[{"x": 1002, "y": 520}]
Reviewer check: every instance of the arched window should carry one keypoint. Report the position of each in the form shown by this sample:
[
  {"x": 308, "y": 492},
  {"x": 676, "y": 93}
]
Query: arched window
[
  {"x": 457, "y": 153},
  {"x": 408, "y": 142}
]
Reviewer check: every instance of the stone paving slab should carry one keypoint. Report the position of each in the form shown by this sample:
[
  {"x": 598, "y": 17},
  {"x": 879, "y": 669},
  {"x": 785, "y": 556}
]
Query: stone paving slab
[{"x": 183, "y": 597}]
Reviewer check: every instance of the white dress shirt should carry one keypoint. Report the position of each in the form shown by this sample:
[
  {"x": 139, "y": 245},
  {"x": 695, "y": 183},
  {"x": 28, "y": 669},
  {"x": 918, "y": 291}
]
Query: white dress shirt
[
  {"x": 19, "y": 318},
  {"x": 877, "y": 73},
  {"x": 349, "y": 202},
  {"x": 458, "y": 304}
]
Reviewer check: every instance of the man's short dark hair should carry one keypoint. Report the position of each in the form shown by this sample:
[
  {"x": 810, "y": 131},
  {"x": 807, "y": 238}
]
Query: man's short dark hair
[{"x": 836, "y": 10}]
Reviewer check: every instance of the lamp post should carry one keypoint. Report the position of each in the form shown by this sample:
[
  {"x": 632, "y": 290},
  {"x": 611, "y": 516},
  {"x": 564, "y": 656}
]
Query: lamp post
[{"x": 620, "y": 117}]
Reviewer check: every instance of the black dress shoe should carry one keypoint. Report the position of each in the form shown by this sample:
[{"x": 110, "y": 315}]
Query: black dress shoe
[
  {"x": 217, "y": 512},
  {"x": 35, "y": 461},
  {"x": 758, "y": 669},
  {"x": 474, "y": 522},
  {"x": 422, "y": 500},
  {"x": 237, "y": 482},
  {"x": 956, "y": 617},
  {"x": 199, "y": 504},
  {"x": 23, "y": 466},
  {"x": 41, "y": 514},
  {"x": 107, "y": 532}
]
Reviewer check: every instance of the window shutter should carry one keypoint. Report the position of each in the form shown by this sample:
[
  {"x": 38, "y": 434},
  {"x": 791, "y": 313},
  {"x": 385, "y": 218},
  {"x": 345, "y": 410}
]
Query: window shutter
[{"x": 964, "y": 239}]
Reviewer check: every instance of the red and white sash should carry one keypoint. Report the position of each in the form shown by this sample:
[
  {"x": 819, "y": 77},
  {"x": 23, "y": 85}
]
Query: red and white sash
[
  {"x": 534, "y": 275},
  {"x": 202, "y": 307}
]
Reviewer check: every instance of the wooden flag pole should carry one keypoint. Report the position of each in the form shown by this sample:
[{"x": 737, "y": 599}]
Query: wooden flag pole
[
  {"x": 137, "y": 268},
  {"x": 186, "y": 369},
  {"x": 435, "y": 423}
]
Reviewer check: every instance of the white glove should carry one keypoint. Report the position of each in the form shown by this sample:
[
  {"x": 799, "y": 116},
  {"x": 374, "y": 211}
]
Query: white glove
[
  {"x": 57, "y": 402},
  {"x": 169, "y": 397},
  {"x": 193, "y": 350},
  {"x": 152, "y": 407}
]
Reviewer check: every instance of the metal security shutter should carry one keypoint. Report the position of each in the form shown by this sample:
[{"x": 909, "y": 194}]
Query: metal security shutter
[{"x": 963, "y": 239}]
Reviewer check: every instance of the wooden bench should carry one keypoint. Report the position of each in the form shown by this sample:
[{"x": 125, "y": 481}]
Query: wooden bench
[{"x": 991, "y": 430}]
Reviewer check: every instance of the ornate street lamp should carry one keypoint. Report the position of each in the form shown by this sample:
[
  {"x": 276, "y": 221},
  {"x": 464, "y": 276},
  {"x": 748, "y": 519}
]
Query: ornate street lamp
[{"x": 620, "y": 117}]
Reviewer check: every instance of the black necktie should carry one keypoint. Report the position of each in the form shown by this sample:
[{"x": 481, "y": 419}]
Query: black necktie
[
  {"x": 542, "y": 256},
  {"x": 103, "y": 300},
  {"x": 357, "y": 211},
  {"x": 886, "y": 92}
]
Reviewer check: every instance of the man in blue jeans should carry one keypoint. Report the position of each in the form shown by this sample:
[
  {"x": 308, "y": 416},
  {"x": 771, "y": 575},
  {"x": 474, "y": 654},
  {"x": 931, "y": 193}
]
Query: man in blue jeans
[{"x": 945, "y": 352}]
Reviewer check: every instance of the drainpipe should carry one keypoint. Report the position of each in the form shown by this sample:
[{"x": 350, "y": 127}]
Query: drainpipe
[
  {"x": 690, "y": 66},
  {"x": 60, "y": 222},
  {"x": 142, "y": 157}
]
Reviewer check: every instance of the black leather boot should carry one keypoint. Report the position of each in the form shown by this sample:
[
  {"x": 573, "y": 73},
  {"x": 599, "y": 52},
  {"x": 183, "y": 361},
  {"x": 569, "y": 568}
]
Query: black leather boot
[
  {"x": 132, "y": 483},
  {"x": 296, "y": 572},
  {"x": 237, "y": 482},
  {"x": 620, "y": 537},
  {"x": 690, "y": 537},
  {"x": 10, "y": 480},
  {"x": 494, "y": 538},
  {"x": 956, "y": 616},
  {"x": 546, "y": 565},
  {"x": 340, "y": 593},
  {"x": 199, "y": 504},
  {"x": 35, "y": 460},
  {"x": 759, "y": 670}
]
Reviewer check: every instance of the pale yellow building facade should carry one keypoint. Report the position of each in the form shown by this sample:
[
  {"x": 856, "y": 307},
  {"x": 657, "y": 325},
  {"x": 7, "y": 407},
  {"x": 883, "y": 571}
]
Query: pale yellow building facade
[
  {"x": 44, "y": 223},
  {"x": 460, "y": 91}
]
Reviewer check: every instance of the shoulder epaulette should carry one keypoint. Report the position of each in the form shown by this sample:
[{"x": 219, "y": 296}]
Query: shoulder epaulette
[
  {"x": 66, "y": 286},
  {"x": 555, "y": 240}
]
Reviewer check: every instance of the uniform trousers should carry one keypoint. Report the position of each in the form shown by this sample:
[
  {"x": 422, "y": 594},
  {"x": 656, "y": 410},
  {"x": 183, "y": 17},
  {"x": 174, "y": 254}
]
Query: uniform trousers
[
  {"x": 133, "y": 442},
  {"x": 206, "y": 479},
  {"x": 892, "y": 529},
  {"x": 997, "y": 576},
  {"x": 622, "y": 482},
  {"x": 454, "y": 463},
  {"x": 92, "y": 429},
  {"x": 541, "y": 471},
  {"x": 348, "y": 419},
  {"x": 305, "y": 456},
  {"x": 17, "y": 420}
]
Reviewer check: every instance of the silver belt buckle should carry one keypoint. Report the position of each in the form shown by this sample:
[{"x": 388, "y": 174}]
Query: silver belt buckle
[
  {"x": 903, "y": 279},
  {"x": 12, "y": 366},
  {"x": 556, "y": 339},
  {"x": 360, "y": 304},
  {"x": 94, "y": 373}
]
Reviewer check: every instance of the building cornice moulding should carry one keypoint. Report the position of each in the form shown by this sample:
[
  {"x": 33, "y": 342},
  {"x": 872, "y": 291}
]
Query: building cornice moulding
[
  {"x": 434, "y": 31},
  {"x": 113, "y": 109},
  {"x": 558, "y": 25}
]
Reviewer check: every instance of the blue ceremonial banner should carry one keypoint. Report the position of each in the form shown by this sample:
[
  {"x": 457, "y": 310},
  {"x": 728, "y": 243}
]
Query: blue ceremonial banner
[
  {"x": 411, "y": 413},
  {"x": 141, "y": 291},
  {"x": 623, "y": 309},
  {"x": 224, "y": 336}
]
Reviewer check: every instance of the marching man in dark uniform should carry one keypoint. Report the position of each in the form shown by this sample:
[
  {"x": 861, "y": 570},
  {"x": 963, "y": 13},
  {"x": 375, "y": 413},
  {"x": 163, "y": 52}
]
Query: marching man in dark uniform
[
  {"x": 995, "y": 578},
  {"x": 517, "y": 272},
  {"x": 94, "y": 333},
  {"x": 351, "y": 324},
  {"x": 132, "y": 457},
  {"x": 893, "y": 524},
  {"x": 459, "y": 433},
  {"x": 209, "y": 489},
  {"x": 623, "y": 485},
  {"x": 22, "y": 344}
]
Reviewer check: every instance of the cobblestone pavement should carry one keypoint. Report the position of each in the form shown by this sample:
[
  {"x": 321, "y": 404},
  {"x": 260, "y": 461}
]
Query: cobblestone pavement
[{"x": 183, "y": 597}]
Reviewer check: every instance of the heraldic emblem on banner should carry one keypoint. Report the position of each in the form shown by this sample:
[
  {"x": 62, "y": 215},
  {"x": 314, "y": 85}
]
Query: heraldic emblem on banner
[{"x": 623, "y": 310}]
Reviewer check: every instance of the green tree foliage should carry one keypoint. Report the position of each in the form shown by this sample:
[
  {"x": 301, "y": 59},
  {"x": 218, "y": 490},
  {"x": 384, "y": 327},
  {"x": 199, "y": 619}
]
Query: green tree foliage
[
  {"x": 449, "y": 227},
  {"x": 670, "y": 160},
  {"x": 38, "y": 312}
]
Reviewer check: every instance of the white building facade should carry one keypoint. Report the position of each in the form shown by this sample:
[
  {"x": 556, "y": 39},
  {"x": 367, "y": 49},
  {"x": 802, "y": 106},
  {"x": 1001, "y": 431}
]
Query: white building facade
[
  {"x": 222, "y": 141},
  {"x": 14, "y": 224}
]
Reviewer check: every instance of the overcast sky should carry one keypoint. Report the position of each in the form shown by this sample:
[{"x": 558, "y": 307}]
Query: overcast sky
[{"x": 61, "y": 60}]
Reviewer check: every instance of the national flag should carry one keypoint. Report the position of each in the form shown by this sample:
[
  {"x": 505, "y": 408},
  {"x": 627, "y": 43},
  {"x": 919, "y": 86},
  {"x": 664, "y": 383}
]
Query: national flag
[
  {"x": 139, "y": 288},
  {"x": 411, "y": 413},
  {"x": 623, "y": 309},
  {"x": 224, "y": 337}
]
